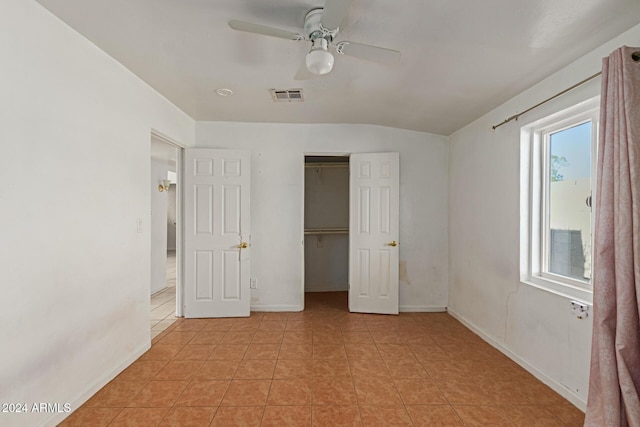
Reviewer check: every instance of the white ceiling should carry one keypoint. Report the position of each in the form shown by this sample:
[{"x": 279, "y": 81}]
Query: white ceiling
[{"x": 460, "y": 58}]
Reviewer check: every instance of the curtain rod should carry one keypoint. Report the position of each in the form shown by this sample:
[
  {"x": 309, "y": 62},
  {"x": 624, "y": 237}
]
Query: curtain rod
[
  {"x": 635, "y": 56},
  {"x": 517, "y": 116}
]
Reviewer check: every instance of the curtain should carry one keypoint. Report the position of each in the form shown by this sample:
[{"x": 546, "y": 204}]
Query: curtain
[{"x": 614, "y": 383}]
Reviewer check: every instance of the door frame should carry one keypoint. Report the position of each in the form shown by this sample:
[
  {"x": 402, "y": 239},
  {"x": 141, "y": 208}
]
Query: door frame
[
  {"x": 179, "y": 215},
  {"x": 304, "y": 155}
]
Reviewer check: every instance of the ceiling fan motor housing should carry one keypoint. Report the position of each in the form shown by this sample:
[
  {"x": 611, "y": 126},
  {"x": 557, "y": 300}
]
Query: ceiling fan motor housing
[{"x": 313, "y": 28}]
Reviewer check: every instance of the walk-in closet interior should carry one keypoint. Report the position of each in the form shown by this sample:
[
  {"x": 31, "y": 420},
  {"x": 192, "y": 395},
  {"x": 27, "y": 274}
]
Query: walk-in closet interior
[{"x": 326, "y": 223}]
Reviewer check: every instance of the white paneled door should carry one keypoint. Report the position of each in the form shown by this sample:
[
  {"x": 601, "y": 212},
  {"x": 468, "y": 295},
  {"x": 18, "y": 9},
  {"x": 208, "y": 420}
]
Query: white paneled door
[
  {"x": 216, "y": 233},
  {"x": 373, "y": 233}
]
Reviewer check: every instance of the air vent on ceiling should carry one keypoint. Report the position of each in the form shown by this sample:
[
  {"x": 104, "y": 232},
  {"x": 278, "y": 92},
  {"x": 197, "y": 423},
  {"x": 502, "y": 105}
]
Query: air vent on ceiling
[{"x": 286, "y": 95}]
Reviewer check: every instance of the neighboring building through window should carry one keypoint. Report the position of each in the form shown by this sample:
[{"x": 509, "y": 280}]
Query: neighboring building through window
[{"x": 558, "y": 166}]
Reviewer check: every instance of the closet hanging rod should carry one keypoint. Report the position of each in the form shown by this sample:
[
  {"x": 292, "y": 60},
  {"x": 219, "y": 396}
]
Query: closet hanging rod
[
  {"x": 337, "y": 230},
  {"x": 326, "y": 165}
]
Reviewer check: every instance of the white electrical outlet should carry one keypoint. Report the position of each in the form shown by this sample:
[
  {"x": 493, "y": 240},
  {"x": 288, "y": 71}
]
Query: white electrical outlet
[
  {"x": 139, "y": 225},
  {"x": 253, "y": 283}
]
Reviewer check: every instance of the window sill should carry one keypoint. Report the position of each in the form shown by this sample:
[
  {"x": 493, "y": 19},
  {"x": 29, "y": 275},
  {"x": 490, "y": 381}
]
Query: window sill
[{"x": 561, "y": 289}]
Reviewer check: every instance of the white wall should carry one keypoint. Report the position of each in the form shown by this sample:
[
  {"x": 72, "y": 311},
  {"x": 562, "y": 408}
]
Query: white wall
[
  {"x": 277, "y": 182},
  {"x": 74, "y": 129},
  {"x": 158, "y": 227},
  {"x": 533, "y": 325},
  {"x": 326, "y": 262}
]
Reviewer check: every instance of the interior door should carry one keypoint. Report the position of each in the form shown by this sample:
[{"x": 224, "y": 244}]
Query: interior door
[
  {"x": 217, "y": 235},
  {"x": 373, "y": 232}
]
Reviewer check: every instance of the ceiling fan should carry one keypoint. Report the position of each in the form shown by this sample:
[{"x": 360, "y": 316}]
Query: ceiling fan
[{"x": 321, "y": 25}]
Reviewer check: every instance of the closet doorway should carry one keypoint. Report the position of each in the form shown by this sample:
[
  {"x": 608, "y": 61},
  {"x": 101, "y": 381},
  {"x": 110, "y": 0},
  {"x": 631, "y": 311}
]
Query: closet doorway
[
  {"x": 326, "y": 229},
  {"x": 351, "y": 230}
]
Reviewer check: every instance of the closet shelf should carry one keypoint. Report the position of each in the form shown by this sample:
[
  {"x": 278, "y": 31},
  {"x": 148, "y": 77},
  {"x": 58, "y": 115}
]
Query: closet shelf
[
  {"x": 335, "y": 230},
  {"x": 326, "y": 165}
]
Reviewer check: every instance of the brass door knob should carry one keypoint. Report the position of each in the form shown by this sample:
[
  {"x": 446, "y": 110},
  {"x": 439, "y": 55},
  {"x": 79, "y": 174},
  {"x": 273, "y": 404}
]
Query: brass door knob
[
  {"x": 243, "y": 245},
  {"x": 393, "y": 243}
]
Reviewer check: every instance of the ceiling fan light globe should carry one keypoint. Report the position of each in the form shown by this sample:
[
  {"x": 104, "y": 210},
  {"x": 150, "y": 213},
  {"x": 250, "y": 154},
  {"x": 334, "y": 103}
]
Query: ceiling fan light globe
[{"x": 319, "y": 61}]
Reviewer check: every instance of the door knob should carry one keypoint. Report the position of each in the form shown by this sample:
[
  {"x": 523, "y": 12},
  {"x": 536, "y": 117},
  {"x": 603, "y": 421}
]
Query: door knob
[
  {"x": 243, "y": 245},
  {"x": 393, "y": 243}
]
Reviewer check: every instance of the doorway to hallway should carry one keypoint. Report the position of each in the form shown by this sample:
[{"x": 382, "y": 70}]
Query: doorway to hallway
[{"x": 164, "y": 234}]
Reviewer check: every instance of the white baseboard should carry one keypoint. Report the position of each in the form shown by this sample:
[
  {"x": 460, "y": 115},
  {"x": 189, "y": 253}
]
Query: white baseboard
[
  {"x": 97, "y": 385},
  {"x": 276, "y": 308},
  {"x": 421, "y": 309},
  {"x": 547, "y": 380},
  {"x": 402, "y": 308}
]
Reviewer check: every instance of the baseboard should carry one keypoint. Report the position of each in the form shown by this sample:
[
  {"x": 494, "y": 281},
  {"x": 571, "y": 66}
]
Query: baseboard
[
  {"x": 547, "y": 380},
  {"x": 402, "y": 308},
  {"x": 421, "y": 309},
  {"x": 276, "y": 308},
  {"x": 97, "y": 385},
  {"x": 154, "y": 293}
]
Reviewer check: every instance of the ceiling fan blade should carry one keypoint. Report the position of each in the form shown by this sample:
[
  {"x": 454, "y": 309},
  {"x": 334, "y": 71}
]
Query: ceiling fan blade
[
  {"x": 303, "y": 72},
  {"x": 334, "y": 13},
  {"x": 264, "y": 30},
  {"x": 371, "y": 53}
]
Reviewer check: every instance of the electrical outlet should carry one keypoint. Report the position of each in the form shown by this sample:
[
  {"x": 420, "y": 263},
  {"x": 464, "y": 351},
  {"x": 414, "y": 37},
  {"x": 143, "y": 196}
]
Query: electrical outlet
[
  {"x": 253, "y": 283},
  {"x": 579, "y": 309},
  {"x": 139, "y": 225}
]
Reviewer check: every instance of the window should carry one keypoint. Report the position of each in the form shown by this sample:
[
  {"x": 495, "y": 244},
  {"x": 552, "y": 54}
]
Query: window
[{"x": 558, "y": 167}]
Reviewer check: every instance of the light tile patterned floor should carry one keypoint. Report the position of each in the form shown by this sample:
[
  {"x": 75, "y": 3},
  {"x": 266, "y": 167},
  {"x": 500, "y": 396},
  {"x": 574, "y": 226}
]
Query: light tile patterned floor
[
  {"x": 163, "y": 303},
  {"x": 324, "y": 367}
]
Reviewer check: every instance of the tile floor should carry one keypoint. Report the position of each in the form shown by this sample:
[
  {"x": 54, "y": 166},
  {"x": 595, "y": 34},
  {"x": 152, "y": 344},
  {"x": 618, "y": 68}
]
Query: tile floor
[
  {"x": 324, "y": 367},
  {"x": 163, "y": 303}
]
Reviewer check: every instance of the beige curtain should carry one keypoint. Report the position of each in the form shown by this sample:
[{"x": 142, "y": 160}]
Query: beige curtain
[{"x": 614, "y": 384}]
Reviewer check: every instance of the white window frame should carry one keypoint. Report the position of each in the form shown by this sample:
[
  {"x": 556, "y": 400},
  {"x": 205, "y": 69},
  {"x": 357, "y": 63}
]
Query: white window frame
[{"x": 534, "y": 195}]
